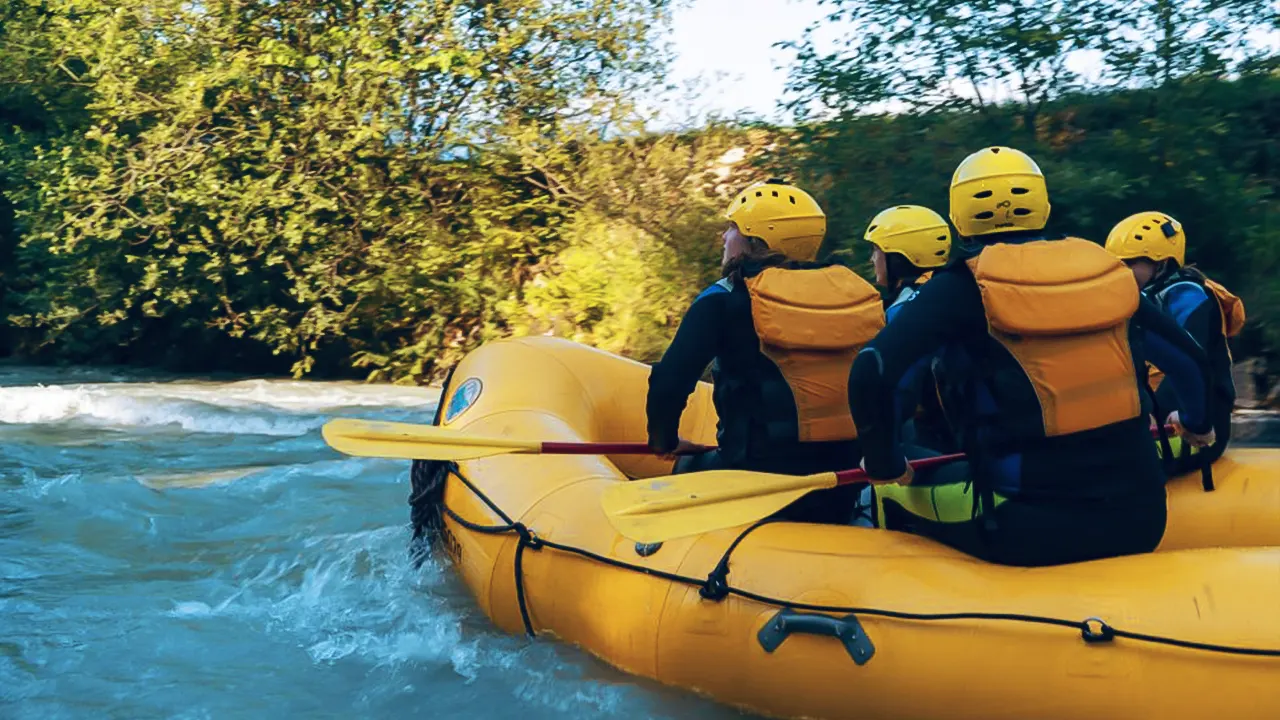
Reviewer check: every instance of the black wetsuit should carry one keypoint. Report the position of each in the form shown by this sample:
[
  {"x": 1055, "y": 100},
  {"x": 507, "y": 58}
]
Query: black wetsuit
[
  {"x": 1076, "y": 497},
  {"x": 918, "y": 403},
  {"x": 1184, "y": 297},
  {"x": 757, "y": 427}
]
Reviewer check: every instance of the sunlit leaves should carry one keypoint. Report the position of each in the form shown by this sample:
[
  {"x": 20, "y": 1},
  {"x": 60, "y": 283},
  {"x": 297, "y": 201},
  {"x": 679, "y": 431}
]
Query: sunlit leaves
[{"x": 333, "y": 180}]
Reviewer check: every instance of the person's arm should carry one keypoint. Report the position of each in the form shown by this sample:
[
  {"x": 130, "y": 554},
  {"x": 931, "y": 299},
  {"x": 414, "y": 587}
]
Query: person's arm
[
  {"x": 910, "y": 389},
  {"x": 1183, "y": 361},
  {"x": 674, "y": 377},
  {"x": 1204, "y": 325},
  {"x": 947, "y": 308}
]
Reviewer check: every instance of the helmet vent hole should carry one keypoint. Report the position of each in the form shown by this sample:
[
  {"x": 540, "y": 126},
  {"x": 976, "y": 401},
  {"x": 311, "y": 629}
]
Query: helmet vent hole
[
  {"x": 775, "y": 193},
  {"x": 939, "y": 253},
  {"x": 984, "y": 215},
  {"x": 1020, "y": 191},
  {"x": 942, "y": 238},
  {"x": 872, "y": 228},
  {"x": 1137, "y": 237},
  {"x": 792, "y": 198},
  {"x": 983, "y": 194},
  {"x": 1146, "y": 227},
  {"x": 1021, "y": 211},
  {"x": 759, "y": 194},
  {"x": 744, "y": 199}
]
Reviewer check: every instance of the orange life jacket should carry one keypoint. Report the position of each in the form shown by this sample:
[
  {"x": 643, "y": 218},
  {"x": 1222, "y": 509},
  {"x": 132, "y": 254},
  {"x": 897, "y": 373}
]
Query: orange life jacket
[
  {"x": 1231, "y": 306},
  {"x": 811, "y": 324},
  {"x": 1061, "y": 309}
]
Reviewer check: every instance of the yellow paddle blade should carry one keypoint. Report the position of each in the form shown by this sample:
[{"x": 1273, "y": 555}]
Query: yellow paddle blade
[
  {"x": 661, "y": 509},
  {"x": 407, "y": 441}
]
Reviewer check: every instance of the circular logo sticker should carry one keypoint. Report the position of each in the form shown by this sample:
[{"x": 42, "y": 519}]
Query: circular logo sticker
[{"x": 463, "y": 397}]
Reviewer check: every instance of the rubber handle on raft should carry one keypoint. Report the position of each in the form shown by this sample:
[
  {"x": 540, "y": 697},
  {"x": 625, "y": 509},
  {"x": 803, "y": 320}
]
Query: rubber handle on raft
[{"x": 846, "y": 629}]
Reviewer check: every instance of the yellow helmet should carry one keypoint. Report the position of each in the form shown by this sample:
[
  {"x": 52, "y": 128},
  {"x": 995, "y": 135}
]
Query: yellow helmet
[
  {"x": 1150, "y": 235},
  {"x": 784, "y": 216},
  {"x": 917, "y": 233},
  {"x": 998, "y": 189}
]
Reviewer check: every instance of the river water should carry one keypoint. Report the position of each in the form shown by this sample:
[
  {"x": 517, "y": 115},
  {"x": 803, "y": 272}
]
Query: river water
[{"x": 282, "y": 589}]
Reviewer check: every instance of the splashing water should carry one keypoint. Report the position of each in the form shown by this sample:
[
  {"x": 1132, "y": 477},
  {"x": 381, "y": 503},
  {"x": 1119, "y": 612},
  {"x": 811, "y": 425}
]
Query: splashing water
[{"x": 282, "y": 589}]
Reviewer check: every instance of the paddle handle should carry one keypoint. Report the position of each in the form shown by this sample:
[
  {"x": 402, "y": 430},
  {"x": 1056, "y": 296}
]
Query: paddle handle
[{"x": 581, "y": 448}]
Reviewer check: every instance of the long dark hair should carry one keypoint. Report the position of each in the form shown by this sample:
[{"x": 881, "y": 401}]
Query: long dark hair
[
  {"x": 1172, "y": 268},
  {"x": 1194, "y": 272},
  {"x": 758, "y": 257},
  {"x": 901, "y": 270}
]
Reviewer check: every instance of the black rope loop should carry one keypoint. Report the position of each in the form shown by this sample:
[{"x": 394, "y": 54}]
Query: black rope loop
[
  {"x": 520, "y": 595},
  {"x": 528, "y": 538},
  {"x": 716, "y": 587},
  {"x": 1096, "y": 630},
  {"x": 427, "y": 480}
]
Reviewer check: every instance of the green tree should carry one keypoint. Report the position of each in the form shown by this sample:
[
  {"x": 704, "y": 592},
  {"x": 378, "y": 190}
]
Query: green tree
[
  {"x": 1174, "y": 113},
  {"x": 38, "y": 104},
  {"x": 923, "y": 55},
  {"x": 325, "y": 182},
  {"x": 645, "y": 239}
]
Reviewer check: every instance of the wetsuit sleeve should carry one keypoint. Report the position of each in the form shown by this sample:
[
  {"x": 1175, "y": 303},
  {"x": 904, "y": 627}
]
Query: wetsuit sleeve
[
  {"x": 1204, "y": 324},
  {"x": 910, "y": 389},
  {"x": 1183, "y": 361},
  {"x": 674, "y": 377},
  {"x": 947, "y": 309}
]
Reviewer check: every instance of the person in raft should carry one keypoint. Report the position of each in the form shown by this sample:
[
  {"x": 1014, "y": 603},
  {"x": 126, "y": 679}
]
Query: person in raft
[
  {"x": 1051, "y": 413},
  {"x": 1154, "y": 246},
  {"x": 780, "y": 332},
  {"x": 908, "y": 243}
]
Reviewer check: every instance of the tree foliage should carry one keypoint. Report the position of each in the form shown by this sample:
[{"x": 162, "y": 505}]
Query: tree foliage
[
  {"x": 644, "y": 241},
  {"x": 337, "y": 182},
  {"x": 372, "y": 187},
  {"x": 1127, "y": 106}
]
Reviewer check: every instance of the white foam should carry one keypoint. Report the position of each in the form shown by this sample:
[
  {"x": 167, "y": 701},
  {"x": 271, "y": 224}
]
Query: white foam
[
  {"x": 358, "y": 597},
  {"x": 248, "y": 407},
  {"x": 191, "y": 609},
  {"x": 36, "y": 486}
]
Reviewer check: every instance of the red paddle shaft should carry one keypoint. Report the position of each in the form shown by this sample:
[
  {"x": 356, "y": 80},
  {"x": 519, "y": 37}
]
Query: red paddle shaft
[
  {"x": 844, "y": 476},
  {"x": 573, "y": 448}
]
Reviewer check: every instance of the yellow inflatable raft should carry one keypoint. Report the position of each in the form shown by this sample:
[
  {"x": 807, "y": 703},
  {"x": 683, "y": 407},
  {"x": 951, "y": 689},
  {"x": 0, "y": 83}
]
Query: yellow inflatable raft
[{"x": 797, "y": 620}]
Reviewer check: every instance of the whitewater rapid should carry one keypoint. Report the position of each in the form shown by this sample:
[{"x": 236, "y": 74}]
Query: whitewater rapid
[{"x": 191, "y": 549}]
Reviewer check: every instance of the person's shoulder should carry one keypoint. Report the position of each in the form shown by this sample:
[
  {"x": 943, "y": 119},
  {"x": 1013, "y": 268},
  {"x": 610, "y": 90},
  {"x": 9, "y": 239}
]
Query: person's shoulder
[
  {"x": 723, "y": 286},
  {"x": 1183, "y": 295},
  {"x": 1186, "y": 286},
  {"x": 956, "y": 272}
]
